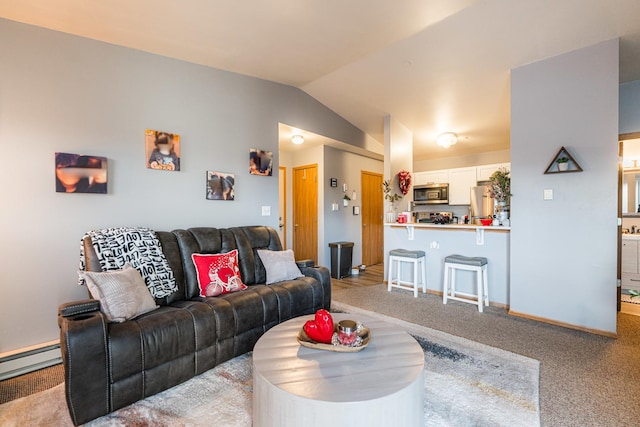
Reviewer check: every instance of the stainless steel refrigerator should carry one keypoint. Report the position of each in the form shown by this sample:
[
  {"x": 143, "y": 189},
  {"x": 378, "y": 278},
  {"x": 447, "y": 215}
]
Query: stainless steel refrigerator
[{"x": 482, "y": 205}]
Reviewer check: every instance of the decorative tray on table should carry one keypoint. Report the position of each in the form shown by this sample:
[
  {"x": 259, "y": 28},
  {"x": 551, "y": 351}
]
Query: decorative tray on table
[{"x": 363, "y": 336}]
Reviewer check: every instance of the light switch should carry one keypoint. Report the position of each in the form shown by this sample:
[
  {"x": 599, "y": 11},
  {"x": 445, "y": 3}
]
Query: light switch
[
  {"x": 266, "y": 211},
  {"x": 547, "y": 194}
]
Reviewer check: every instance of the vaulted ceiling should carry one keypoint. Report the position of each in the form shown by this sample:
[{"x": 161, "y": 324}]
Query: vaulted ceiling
[{"x": 434, "y": 65}]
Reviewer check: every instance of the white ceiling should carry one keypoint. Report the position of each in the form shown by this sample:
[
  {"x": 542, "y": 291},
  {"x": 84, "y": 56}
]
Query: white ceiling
[{"x": 434, "y": 65}]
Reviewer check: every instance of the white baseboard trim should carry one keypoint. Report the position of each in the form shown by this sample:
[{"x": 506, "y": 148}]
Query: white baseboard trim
[{"x": 29, "y": 359}]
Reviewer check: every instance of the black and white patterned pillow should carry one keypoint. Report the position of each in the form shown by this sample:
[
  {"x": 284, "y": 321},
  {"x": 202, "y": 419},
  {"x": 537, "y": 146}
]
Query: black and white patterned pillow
[{"x": 139, "y": 247}]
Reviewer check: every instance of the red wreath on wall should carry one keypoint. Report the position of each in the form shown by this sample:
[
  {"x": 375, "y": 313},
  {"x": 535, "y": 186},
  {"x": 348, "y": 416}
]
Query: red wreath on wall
[{"x": 404, "y": 181}]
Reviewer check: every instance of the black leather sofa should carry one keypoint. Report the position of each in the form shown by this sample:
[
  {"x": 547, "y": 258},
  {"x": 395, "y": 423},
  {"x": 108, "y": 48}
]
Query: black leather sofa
[{"x": 111, "y": 365}]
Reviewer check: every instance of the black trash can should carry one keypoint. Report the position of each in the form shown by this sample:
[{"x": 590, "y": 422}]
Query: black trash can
[{"x": 341, "y": 255}]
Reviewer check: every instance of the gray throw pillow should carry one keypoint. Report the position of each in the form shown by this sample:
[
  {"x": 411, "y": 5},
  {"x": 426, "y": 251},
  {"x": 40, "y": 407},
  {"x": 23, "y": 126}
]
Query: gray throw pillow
[
  {"x": 123, "y": 294},
  {"x": 280, "y": 265}
]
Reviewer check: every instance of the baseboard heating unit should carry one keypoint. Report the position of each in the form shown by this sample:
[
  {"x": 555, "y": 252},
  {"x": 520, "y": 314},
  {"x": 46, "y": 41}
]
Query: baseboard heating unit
[{"x": 29, "y": 359}]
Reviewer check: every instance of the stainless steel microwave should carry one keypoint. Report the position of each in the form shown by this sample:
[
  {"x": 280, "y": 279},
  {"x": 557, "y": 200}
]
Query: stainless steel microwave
[{"x": 431, "y": 194}]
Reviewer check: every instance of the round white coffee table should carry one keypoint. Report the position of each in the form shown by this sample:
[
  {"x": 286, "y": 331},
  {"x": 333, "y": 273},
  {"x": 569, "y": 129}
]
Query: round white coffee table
[{"x": 296, "y": 386}]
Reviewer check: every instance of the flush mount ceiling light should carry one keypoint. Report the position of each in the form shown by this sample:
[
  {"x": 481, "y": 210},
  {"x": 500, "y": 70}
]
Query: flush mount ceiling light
[
  {"x": 447, "y": 139},
  {"x": 297, "y": 139}
]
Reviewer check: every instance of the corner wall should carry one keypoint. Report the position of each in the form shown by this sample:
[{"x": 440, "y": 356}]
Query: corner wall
[
  {"x": 398, "y": 155},
  {"x": 62, "y": 93},
  {"x": 564, "y": 251},
  {"x": 630, "y": 107},
  {"x": 342, "y": 225}
]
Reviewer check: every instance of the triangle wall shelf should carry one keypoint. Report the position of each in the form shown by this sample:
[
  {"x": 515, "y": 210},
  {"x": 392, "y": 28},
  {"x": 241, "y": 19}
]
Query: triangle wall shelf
[{"x": 563, "y": 162}]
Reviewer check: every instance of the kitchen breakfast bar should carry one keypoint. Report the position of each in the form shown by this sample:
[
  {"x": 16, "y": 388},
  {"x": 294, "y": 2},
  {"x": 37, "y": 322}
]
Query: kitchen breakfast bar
[{"x": 441, "y": 240}]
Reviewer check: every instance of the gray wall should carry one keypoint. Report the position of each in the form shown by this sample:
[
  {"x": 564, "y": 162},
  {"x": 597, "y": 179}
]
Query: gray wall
[
  {"x": 630, "y": 107},
  {"x": 398, "y": 156},
  {"x": 563, "y": 252},
  {"x": 342, "y": 225},
  {"x": 64, "y": 93}
]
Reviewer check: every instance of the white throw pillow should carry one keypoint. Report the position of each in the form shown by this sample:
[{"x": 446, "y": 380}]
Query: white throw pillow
[
  {"x": 123, "y": 294},
  {"x": 280, "y": 265}
]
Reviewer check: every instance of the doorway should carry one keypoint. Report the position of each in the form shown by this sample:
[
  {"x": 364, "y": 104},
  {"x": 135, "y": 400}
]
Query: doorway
[
  {"x": 282, "y": 205},
  {"x": 372, "y": 215},
  {"x": 305, "y": 212},
  {"x": 629, "y": 229}
]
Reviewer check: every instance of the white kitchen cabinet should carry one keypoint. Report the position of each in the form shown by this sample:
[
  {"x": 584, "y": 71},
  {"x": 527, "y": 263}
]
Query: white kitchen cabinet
[
  {"x": 484, "y": 172},
  {"x": 460, "y": 182},
  {"x": 431, "y": 177},
  {"x": 630, "y": 262}
]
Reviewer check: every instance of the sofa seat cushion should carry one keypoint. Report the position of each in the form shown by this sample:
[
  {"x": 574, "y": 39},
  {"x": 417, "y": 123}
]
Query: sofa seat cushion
[
  {"x": 298, "y": 297},
  {"x": 150, "y": 341},
  {"x": 242, "y": 318},
  {"x": 204, "y": 323}
]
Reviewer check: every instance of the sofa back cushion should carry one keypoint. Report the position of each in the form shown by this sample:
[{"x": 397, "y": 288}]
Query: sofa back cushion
[
  {"x": 209, "y": 240},
  {"x": 249, "y": 241},
  {"x": 171, "y": 251},
  {"x": 179, "y": 245}
]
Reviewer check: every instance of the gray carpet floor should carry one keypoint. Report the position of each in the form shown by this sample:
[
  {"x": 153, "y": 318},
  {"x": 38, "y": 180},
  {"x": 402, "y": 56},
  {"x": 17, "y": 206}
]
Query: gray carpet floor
[{"x": 585, "y": 379}]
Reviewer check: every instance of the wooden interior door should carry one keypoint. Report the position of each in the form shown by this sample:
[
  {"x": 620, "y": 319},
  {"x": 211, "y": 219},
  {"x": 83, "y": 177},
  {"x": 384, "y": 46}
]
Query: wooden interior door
[
  {"x": 372, "y": 216},
  {"x": 305, "y": 212}
]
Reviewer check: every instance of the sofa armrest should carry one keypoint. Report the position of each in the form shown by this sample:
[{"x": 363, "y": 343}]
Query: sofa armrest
[
  {"x": 305, "y": 263},
  {"x": 78, "y": 307},
  {"x": 83, "y": 344},
  {"x": 322, "y": 275}
]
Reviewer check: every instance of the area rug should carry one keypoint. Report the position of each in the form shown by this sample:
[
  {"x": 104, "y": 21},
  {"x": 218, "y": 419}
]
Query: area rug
[{"x": 466, "y": 384}]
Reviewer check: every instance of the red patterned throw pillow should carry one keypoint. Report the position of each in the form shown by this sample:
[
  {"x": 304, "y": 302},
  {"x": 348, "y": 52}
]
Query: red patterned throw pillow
[{"x": 218, "y": 273}]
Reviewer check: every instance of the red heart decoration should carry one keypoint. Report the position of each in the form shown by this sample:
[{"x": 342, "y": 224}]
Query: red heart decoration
[
  {"x": 321, "y": 328},
  {"x": 404, "y": 181}
]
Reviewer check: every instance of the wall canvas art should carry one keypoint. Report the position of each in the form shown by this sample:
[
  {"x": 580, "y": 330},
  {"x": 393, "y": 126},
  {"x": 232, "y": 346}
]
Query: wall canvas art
[
  {"x": 220, "y": 186},
  {"x": 163, "y": 150},
  {"x": 77, "y": 173},
  {"x": 260, "y": 162}
]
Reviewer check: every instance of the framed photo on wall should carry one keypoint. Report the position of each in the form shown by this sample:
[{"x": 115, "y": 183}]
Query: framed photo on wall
[
  {"x": 260, "y": 162},
  {"x": 163, "y": 150},
  {"x": 76, "y": 173},
  {"x": 220, "y": 186}
]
